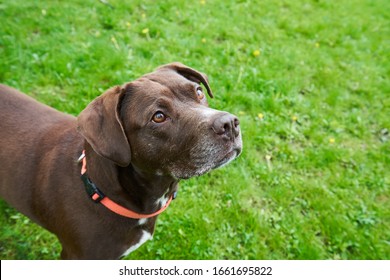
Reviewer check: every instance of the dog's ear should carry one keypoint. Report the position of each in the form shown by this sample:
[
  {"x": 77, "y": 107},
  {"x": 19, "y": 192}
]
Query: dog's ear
[
  {"x": 101, "y": 126},
  {"x": 190, "y": 74}
]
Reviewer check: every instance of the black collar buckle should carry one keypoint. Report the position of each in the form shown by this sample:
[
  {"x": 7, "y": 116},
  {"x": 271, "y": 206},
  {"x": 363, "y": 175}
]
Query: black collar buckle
[{"x": 93, "y": 192}]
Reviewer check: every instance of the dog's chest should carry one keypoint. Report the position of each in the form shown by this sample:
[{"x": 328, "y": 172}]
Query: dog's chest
[
  {"x": 141, "y": 235},
  {"x": 143, "y": 232}
]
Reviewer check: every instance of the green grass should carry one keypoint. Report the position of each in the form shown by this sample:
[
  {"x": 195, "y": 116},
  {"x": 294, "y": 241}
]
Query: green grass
[{"x": 309, "y": 81}]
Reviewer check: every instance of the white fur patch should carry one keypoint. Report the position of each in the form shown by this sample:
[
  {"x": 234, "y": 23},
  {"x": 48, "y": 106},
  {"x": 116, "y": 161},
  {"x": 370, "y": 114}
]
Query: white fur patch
[
  {"x": 142, "y": 221},
  {"x": 145, "y": 236},
  {"x": 162, "y": 201}
]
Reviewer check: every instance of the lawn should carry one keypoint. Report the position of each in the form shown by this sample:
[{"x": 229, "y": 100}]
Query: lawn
[{"x": 309, "y": 81}]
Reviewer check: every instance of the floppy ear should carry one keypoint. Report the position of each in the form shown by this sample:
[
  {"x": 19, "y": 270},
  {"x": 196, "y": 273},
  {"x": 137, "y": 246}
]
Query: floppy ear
[
  {"x": 190, "y": 74},
  {"x": 100, "y": 125}
]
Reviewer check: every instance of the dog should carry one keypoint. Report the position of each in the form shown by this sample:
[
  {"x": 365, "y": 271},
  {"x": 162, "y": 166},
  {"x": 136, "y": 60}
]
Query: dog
[{"x": 99, "y": 181}]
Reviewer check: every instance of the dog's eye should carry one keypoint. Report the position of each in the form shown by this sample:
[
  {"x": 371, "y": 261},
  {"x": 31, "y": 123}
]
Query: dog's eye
[
  {"x": 199, "y": 93},
  {"x": 159, "y": 117}
]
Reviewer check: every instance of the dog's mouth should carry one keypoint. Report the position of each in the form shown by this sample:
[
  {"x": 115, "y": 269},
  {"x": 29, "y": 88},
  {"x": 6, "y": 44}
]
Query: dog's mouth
[
  {"x": 230, "y": 156},
  {"x": 186, "y": 173},
  {"x": 204, "y": 158}
]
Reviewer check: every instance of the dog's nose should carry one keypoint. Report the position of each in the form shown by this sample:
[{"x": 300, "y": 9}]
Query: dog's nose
[{"x": 226, "y": 125}]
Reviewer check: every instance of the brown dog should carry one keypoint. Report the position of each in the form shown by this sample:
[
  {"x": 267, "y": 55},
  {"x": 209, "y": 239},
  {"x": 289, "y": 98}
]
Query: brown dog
[{"x": 139, "y": 139}]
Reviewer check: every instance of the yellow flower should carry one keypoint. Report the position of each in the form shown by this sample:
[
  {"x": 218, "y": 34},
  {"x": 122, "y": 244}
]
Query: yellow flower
[
  {"x": 256, "y": 53},
  {"x": 115, "y": 42},
  {"x": 145, "y": 31},
  {"x": 260, "y": 116},
  {"x": 203, "y": 2},
  {"x": 317, "y": 45},
  {"x": 268, "y": 157},
  {"x": 332, "y": 140},
  {"x": 128, "y": 24},
  {"x": 294, "y": 118},
  {"x": 204, "y": 40}
]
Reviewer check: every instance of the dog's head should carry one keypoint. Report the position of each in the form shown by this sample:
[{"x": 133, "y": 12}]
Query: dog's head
[{"x": 161, "y": 124}]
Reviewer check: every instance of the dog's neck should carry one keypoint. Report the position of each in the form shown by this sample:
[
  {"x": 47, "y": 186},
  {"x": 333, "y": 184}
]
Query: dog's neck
[
  {"x": 132, "y": 188},
  {"x": 149, "y": 191}
]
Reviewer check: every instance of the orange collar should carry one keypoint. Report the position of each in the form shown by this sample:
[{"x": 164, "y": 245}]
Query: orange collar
[{"x": 97, "y": 196}]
